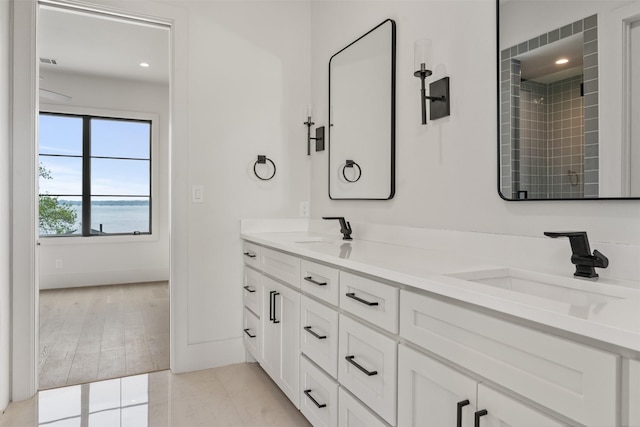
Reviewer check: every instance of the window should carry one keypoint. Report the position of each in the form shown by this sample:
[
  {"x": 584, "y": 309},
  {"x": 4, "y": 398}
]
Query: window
[{"x": 94, "y": 175}]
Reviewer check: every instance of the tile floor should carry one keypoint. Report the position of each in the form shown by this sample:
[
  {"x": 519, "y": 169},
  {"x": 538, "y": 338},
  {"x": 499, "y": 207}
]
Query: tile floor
[
  {"x": 100, "y": 332},
  {"x": 234, "y": 395}
]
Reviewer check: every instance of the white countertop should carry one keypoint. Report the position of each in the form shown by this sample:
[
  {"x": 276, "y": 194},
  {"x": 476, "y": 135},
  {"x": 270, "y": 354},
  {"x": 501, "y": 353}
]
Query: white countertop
[{"x": 606, "y": 310}]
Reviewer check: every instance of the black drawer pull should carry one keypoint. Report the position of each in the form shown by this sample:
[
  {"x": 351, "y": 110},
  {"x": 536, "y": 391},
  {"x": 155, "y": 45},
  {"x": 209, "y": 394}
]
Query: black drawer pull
[
  {"x": 246, "y": 331},
  {"x": 479, "y": 414},
  {"x": 315, "y": 402},
  {"x": 365, "y": 302},
  {"x": 369, "y": 373},
  {"x": 249, "y": 254},
  {"x": 320, "y": 337},
  {"x": 248, "y": 289},
  {"x": 310, "y": 279},
  {"x": 461, "y": 405}
]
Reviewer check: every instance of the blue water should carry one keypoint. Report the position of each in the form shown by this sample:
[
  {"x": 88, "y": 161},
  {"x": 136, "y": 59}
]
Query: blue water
[{"x": 116, "y": 219}]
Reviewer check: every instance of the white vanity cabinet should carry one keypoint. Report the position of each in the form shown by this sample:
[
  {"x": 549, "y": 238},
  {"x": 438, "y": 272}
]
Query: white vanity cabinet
[
  {"x": 351, "y": 349},
  {"x": 572, "y": 379},
  {"x": 433, "y": 394},
  {"x": 281, "y": 336}
]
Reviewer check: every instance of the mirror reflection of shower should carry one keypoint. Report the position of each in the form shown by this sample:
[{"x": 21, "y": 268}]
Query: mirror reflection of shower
[{"x": 549, "y": 144}]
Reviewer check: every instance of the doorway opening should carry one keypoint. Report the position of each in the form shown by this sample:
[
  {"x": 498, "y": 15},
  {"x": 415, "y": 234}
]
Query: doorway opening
[{"x": 103, "y": 156}]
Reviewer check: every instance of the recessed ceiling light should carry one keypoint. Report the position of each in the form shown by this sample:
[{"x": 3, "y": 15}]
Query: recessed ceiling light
[
  {"x": 144, "y": 64},
  {"x": 562, "y": 61}
]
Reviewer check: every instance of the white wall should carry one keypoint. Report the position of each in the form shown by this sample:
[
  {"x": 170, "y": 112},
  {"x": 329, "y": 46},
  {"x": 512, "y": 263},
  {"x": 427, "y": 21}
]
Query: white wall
[
  {"x": 249, "y": 80},
  {"x": 447, "y": 170},
  {"x": 5, "y": 206},
  {"x": 112, "y": 259}
]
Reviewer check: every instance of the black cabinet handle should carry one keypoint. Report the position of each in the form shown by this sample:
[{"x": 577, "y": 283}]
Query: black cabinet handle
[
  {"x": 271, "y": 305},
  {"x": 320, "y": 337},
  {"x": 310, "y": 279},
  {"x": 249, "y": 254},
  {"x": 354, "y": 363},
  {"x": 365, "y": 302},
  {"x": 246, "y": 331},
  {"x": 479, "y": 414},
  {"x": 272, "y": 317},
  {"x": 248, "y": 289},
  {"x": 315, "y": 402},
  {"x": 461, "y": 405}
]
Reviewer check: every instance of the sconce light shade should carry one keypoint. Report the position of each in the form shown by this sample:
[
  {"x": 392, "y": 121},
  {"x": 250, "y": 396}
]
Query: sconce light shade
[{"x": 421, "y": 55}]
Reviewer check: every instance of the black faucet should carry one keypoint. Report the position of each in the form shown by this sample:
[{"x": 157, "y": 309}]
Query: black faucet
[
  {"x": 585, "y": 262},
  {"x": 345, "y": 227}
]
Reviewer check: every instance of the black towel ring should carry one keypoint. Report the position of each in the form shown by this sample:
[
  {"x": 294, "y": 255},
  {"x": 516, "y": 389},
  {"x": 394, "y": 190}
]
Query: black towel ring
[
  {"x": 261, "y": 161},
  {"x": 351, "y": 164}
]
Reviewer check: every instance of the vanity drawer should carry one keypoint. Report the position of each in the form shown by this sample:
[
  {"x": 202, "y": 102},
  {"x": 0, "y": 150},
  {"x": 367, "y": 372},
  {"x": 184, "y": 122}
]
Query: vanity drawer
[
  {"x": 371, "y": 300},
  {"x": 252, "y": 334},
  {"x": 318, "y": 395},
  {"x": 354, "y": 414},
  {"x": 281, "y": 266},
  {"x": 252, "y": 291},
  {"x": 251, "y": 254},
  {"x": 572, "y": 379},
  {"x": 319, "y": 334},
  {"x": 320, "y": 281},
  {"x": 367, "y": 366}
]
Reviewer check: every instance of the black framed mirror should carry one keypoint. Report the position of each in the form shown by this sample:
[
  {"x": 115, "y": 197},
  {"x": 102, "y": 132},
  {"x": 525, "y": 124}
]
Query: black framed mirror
[
  {"x": 564, "y": 126},
  {"x": 362, "y": 117}
]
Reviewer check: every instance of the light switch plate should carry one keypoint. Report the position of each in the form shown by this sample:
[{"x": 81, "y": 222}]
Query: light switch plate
[{"x": 197, "y": 194}]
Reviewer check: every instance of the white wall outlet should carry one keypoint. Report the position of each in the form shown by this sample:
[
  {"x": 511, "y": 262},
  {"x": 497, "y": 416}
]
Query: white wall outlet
[
  {"x": 304, "y": 209},
  {"x": 197, "y": 194},
  {"x": 58, "y": 263}
]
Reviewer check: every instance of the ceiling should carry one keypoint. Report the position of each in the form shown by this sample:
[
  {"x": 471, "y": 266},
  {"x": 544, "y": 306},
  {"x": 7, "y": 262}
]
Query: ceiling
[
  {"x": 100, "y": 45},
  {"x": 539, "y": 64}
]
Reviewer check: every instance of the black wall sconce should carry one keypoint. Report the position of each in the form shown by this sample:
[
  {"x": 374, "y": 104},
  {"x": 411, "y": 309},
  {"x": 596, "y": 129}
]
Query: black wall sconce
[
  {"x": 319, "y": 134},
  {"x": 438, "y": 90},
  {"x": 262, "y": 160}
]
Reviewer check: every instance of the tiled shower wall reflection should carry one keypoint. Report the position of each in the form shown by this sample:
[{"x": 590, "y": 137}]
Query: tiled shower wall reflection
[
  {"x": 552, "y": 139},
  {"x": 549, "y": 132}
]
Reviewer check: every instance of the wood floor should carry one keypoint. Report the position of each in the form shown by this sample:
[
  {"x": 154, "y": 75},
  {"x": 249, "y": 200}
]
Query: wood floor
[{"x": 102, "y": 332}]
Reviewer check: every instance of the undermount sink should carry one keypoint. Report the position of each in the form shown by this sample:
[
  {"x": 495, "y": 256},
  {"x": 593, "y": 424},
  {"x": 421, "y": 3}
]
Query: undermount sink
[
  {"x": 311, "y": 240},
  {"x": 576, "y": 292}
]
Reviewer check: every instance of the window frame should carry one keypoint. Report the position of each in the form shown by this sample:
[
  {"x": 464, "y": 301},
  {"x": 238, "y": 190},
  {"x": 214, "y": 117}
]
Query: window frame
[{"x": 153, "y": 118}]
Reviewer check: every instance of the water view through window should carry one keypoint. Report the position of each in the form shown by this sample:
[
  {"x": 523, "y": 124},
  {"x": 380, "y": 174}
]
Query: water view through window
[{"x": 94, "y": 175}]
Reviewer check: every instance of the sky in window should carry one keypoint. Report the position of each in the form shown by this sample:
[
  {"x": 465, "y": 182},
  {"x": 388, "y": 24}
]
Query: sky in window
[{"x": 115, "y": 138}]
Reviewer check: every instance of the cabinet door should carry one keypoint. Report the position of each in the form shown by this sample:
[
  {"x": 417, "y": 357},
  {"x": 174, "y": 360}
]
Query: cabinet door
[
  {"x": 281, "y": 336},
  {"x": 503, "y": 411},
  {"x": 270, "y": 330},
  {"x": 432, "y": 394}
]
